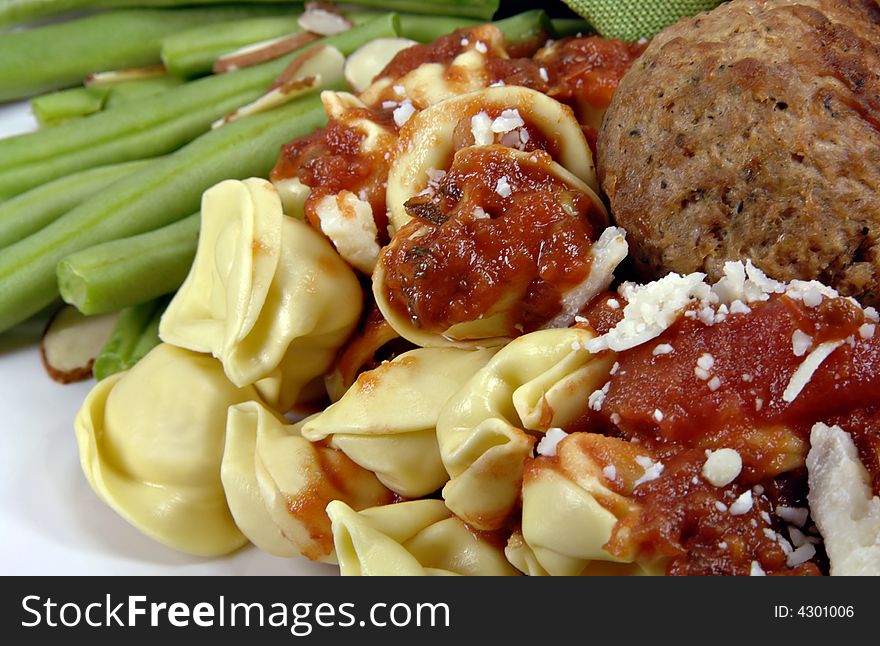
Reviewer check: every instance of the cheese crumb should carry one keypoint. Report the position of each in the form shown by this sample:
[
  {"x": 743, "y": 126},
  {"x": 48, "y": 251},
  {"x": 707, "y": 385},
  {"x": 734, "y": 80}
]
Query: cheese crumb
[
  {"x": 804, "y": 372},
  {"x": 738, "y": 307},
  {"x": 742, "y": 504},
  {"x": 613, "y": 304},
  {"x": 872, "y": 315},
  {"x": 701, "y": 373},
  {"x": 794, "y": 515},
  {"x": 866, "y": 331},
  {"x": 722, "y": 467},
  {"x": 720, "y": 506},
  {"x": 480, "y": 213},
  {"x": 507, "y": 121},
  {"x": 658, "y": 415},
  {"x": 597, "y": 398},
  {"x": 399, "y": 90},
  {"x": 706, "y": 361},
  {"x": 652, "y": 470},
  {"x": 759, "y": 404},
  {"x": 503, "y": 187},
  {"x": 542, "y": 72},
  {"x": 552, "y": 438},
  {"x": 800, "y": 343},
  {"x": 801, "y": 555},
  {"x": 662, "y": 348},
  {"x": 481, "y": 129},
  {"x": 714, "y": 384},
  {"x": 615, "y": 418},
  {"x": 610, "y": 472},
  {"x": 403, "y": 112},
  {"x": 481, "y": 47},
  {"x": 757, "y": 570}
]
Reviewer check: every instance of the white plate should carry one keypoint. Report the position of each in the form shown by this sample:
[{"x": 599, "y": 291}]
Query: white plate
[{"x": 50, "y": 520}]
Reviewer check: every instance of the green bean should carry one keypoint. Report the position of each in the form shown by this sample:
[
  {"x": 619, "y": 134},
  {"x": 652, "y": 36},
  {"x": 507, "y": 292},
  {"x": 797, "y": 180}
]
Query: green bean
[
  {"x": 130, "y": 91},
  {"x": 14, "y": 12},
  {"x": 483, "y": 9},
  {"x": 57, "y": 107},
  {"x": 136, "y": 332},
  {"x": 563, "y": 27},
  {"x": 158, "y": 195},
  {"x": 56, "y": 56},
  {"x": 155, "y": 125},
  {"x": 527, "y": 28},
  {"x": 29, "y": 212},
  {"x": 121, "y": 273},
  {"x": 193, "y": 52},
  {"x": 425, "y": 29}
]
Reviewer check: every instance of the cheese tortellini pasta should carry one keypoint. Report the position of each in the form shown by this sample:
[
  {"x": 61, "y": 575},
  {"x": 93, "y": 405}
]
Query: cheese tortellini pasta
[
  {"x": 571, "y": 504},
  {"x": 151, "y": 441},
  {"x": 488, "y": 428},
  {"x": 416, "y": 538},
  {"x": 386, "y": 421},
  {"x": 517, "y": 117},
  {"x": 278, "y": 484},
  {"x": 267, "y": 295}
]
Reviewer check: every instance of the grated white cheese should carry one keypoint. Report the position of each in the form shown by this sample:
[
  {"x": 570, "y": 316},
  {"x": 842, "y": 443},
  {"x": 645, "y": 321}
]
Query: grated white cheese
[
  {"x": 596, "y": 399},
  {"x": 722, "y": 467},
  {"x": 507, "y": 121},
  {"x": 552, "y": 438},
  {"x": 872, "y": 315},
  {"x": 747, "y": 378},
  {"x": 738, "y": 307},
  {"x": 866, "y": 331},
  {"x": 757, "y": 570},
  {"x": 701, "y": 373},
  {"x": 759, "y": 404},
  {"x": 706, "y": 361},
  {"x": 613, "y": 304},
  {"x": 714, "y": 384},
  {"x": 795, "y": 515},
  {"x": 542, "y": 72},
  {"x": 662, "y": 348},
  {"x": 742, "y": 504},
  {"x": 615, "y": 418},
  {"x": 652, "y": 470},
  {"x": 800, "y": 343},
  {"x": 403, "y": 112},
  {"x": 399, "y": 90},
  {"x": 658, "y": 415},
  {"x": 610, "y": 472},
  {"x": 387, "y": 105},
  {"x": 480, "y": 214},
  {"x": 804, "y": 372},
  {"x": 650, "y": 310},
  {"x": 720, "y": 506},
  {"x": 503, "y": 187},
  {"x": 801, "y": 555},
  {"x": 481, "y": 47},
  {"x": 481, "y": 129}
]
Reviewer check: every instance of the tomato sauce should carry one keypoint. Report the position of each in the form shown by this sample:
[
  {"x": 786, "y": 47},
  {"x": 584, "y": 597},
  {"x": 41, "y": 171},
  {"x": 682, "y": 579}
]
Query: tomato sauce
[
  {"x": 724, "y": 386},
  {"x": 470, "y": 250}
]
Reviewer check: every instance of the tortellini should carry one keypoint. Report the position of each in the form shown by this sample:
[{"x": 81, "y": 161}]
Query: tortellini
[
  {"x": 504, "y": 247},
  {"x": 485, "y": 431},
  {"x": 267, "y": 295},
  {"x": 278, "y": 484},
  {"x": 151, "y": 441},
  {"x": 429, "y": 140},
  {"x": 386, "y": 421},
  {"x": 570, "y": 505},
  {"x": 415, "y": 538},
  {"x": 433, "y": 82}
]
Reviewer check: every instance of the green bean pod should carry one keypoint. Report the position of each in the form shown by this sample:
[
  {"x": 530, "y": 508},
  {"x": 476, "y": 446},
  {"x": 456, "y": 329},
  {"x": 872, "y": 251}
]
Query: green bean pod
[
  {"x": 135, "y": 334},
  {"x": 193, "y": 52},
  {"x": 57, "y": 107},
  {"x": 156, "y": 125},
  {"x": 56, "y": 56},
  {"x": 121, "y": 273},
  {"x": 158, "y": 195},
  {"x": 29, "y": 212},
  {"x": 425, "y": 29},
  {"x": 481, "y": 9},
  {"x": 16, "y": 12}
]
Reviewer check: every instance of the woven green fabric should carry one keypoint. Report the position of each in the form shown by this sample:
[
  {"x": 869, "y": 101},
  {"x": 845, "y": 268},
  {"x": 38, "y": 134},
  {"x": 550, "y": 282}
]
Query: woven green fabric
[{"x": 634, "y": 19}]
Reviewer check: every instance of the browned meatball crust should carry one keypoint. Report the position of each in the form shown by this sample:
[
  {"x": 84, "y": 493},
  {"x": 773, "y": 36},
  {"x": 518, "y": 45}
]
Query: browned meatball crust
[{"x": 753, "y": 131}]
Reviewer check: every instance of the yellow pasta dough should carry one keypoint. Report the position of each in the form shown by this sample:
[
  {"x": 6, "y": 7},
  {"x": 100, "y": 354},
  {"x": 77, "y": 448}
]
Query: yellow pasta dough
[
  {"x": 279, "y": 483},
  {"x": 267, "y": 295},
  {"x": 386, "y": 421},
  {"x": 487, "y": 429},
  {"x": 415, "y": 538},
  {"x": 151, "y": 441}
]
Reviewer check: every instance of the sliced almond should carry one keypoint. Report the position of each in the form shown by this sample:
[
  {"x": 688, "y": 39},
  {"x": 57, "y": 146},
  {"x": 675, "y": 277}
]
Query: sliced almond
[
  {"x": 323, "y": 19},
  {"x": 365, "y": 63},
  {"x": 262, "y": 52},
  {"x": 114, "y": 77},
  {"x": 272, "y": 99},
  {"x": 72, "y": 341},
  {"x": 293, "y": 69}
]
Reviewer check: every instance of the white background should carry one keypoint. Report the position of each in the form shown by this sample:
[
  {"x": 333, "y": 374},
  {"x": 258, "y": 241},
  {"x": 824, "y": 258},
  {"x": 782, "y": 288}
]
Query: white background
[{"x": 50, "y": 520}]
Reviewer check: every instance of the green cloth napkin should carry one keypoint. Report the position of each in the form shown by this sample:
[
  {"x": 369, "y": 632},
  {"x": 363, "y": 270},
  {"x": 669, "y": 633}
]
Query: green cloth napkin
[{"x": 634, "y": 19}]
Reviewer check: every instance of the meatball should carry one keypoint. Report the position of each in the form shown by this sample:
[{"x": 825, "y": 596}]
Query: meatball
[{"x": 753, "y": 131}]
